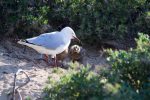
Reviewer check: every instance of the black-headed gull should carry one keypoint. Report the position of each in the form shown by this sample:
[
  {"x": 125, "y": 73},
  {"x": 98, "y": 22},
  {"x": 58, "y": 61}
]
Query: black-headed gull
[{"x": 51, "y": 43}]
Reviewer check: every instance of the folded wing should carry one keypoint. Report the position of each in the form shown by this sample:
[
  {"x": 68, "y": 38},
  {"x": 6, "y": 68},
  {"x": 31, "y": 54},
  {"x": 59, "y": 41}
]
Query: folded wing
[{"x": 48, "y": 40}]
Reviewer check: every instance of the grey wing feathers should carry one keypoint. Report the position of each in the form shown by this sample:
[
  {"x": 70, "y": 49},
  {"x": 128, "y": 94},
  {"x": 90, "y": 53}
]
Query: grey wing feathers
[{"x": 47, "y": 40}]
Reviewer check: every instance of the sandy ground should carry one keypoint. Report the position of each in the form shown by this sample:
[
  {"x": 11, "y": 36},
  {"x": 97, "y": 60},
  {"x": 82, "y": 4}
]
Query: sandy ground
[{"x": 13, "y": 58}]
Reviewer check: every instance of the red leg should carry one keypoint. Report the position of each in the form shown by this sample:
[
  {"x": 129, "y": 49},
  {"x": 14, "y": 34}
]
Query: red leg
[
  {"x": 55, "y": 62},
  {"x": 46, "y": 58}
]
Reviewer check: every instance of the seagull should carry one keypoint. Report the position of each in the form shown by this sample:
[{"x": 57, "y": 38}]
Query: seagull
[{"x": 51, "y": 43}]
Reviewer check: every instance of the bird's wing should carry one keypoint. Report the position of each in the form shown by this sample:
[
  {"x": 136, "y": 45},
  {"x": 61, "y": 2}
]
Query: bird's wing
[{"x": 48, "y": 40}]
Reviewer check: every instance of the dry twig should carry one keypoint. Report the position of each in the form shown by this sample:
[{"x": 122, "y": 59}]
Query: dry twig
[{"x": 15, "y": 89}]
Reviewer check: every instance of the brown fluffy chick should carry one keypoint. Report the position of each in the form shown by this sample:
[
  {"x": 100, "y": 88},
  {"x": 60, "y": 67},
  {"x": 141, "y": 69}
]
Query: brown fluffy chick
[
  {"x": 75, "y": 53},
  {"x": 62, "y": 56}
]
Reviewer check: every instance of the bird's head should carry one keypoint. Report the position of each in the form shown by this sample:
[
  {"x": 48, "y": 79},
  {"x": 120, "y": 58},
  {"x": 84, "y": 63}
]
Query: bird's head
[{"x": 70, "y": 33}]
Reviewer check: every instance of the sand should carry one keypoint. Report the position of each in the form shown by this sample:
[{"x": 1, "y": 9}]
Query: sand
[{"x": 13, "y": 57}]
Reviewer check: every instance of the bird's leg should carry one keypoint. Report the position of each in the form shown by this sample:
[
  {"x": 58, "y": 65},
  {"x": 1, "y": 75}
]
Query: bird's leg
[
  {"x": 46, "y": 58},
  {"x": 55, "y": 62}
]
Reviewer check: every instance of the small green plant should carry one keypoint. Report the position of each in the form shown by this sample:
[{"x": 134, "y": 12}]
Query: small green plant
[
  {"x": 28, "y": 98},
  {"x": 57, "y": 70}
]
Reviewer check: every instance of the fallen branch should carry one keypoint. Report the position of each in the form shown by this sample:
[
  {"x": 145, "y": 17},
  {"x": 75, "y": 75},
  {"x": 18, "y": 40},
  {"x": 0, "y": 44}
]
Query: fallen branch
[
  {"x": 26, "y": 76},
  {"x": 15, "y": 90}
]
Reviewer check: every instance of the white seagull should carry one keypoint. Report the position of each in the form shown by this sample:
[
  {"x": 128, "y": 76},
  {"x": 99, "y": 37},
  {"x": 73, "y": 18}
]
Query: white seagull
[{"x": 51, "y": 43}]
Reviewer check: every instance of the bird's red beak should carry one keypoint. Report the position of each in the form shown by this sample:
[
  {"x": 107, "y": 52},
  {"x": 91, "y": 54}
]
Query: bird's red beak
[{"x": 77, "y": 39}]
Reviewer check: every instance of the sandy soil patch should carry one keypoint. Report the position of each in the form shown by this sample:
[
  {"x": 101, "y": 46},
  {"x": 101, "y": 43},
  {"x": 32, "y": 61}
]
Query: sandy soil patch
[{"x": 13, "y": 58}]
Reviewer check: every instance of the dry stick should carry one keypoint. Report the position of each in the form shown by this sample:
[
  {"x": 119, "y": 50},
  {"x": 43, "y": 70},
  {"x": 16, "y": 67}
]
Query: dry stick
[
  {"x": 26, "y": 81},
  {"x": 14, "y": 87},
  {"x": 19, "y": 95}
]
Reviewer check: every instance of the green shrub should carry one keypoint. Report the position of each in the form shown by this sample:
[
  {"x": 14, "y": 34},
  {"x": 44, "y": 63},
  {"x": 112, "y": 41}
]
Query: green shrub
[
  {"x": 18, "y": 17},
  {"x": 133, "y": 66},
  {"x": 86, "y": 85},
  {"x": 95, "y": 20},
  {"x": 129, "y": 78}
]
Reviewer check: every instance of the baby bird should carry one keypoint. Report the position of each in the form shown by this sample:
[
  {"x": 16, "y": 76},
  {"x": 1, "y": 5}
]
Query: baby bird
[{"x": 75, "y": 53}]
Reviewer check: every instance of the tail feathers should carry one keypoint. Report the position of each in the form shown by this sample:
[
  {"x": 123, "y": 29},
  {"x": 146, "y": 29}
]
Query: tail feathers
[
  {"x": 23, "y": 42},
  {"x": 26, "y": 43}
]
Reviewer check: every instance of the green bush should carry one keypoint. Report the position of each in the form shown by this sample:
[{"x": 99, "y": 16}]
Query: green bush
[
  {"x": 95, "y": 20},
  {"x": 19, "y": 16},
  {"x": 128, "y": 77},
  {"x": 86, "y": 85},
  {"x": 133, "y": 66}
]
